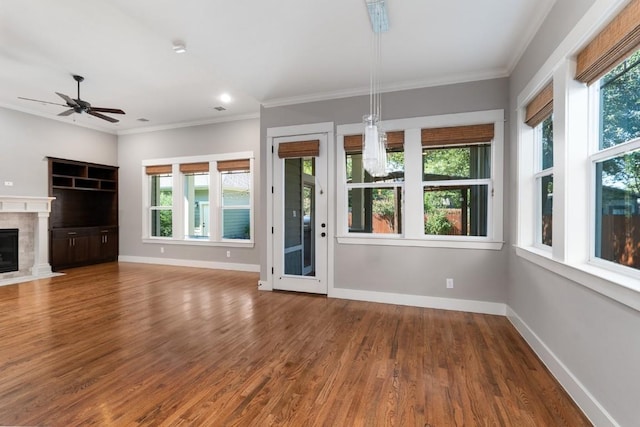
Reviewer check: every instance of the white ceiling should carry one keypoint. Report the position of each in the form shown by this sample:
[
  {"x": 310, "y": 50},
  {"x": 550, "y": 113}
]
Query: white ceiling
[{"x": 261, "y": 52}]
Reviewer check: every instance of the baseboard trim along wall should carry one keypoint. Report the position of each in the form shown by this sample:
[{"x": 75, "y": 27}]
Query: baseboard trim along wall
[
  {"x": 471, "y": 306},
  {"x": 253, "y": 268},
  {"x": 596, "y": 413}
]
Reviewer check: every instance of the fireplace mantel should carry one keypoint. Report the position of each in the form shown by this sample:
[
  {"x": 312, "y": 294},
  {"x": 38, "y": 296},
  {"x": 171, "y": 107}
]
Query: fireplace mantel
[
  {"x": 41, "y": 206},
  {"x": 17, "y": 204}
]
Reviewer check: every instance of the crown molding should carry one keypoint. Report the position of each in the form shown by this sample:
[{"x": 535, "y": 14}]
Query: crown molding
[
  {"x": 147, "y": 129},
  {"x": 393, "y": 87}
]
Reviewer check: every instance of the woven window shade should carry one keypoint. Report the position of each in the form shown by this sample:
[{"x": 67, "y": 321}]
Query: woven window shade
[
  {"x": 457, "y": 135},
  {"x": 194, "y": 167},
  {"x": 540, "y": 107},
  {"x": 612, "y": 45},
  {"x": 233, "y": 165},
  {"x": 158, "y": 169},
  {"x": 353, "y": 143},
  {"x": 295, "y": 149}
]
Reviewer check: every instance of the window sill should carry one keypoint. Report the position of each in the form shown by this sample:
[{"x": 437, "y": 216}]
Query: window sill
[
  {"x": 378, "y": 240},
  {"x": 619, "y": 287},
  {"x": 194, "y": 242}
]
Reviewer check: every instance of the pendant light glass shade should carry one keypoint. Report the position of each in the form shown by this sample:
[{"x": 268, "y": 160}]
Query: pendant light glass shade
[{"x": 374, "y": 152}]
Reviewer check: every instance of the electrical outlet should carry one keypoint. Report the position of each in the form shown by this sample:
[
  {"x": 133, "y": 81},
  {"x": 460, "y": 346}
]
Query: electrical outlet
[
  {"x": 161, "y": 249},
  {"x": 449, "y": 283},
  {"x": 228, "y": 254},
  {"x": 8, "y": 183}
]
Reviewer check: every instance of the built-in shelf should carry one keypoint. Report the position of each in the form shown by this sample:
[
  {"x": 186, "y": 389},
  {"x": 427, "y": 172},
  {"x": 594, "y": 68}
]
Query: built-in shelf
[
  {"x": 83, "y": 176},
  {"x": 84, "y": 217}
]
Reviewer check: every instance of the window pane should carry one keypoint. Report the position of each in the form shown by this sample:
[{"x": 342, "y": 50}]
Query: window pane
[
  {"x": 620, "y": 103},
  {"x": 236, "y": 224},
  {"x": 546, "y": 209},
  {"x": 395, "y": 168},
  {"x": 617, "y": 210},
  {"x": 161, "y": 190},
  {"x": 196, "y": 200},
  {"x": 456, "y": 162},
  {"x": 235, "y": 188},
  {"x": 375, "y": 210},
  {"x": 456, "y": 210},
  {"x": 161, "y": 223},
  {"x": 546, "y": 140}
]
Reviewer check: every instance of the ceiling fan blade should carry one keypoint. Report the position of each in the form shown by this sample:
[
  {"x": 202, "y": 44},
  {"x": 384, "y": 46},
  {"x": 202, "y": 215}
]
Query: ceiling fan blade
[
  {"x": 70, "y": 102},
  {"x": 67, "y": 113},
  {"x": 108, "y": 110},
  {"x": 102, "y": 116},
  {"x": 43, "y": 102}
]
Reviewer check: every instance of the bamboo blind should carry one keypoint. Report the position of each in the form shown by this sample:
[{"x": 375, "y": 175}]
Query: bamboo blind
[
  {"x": 295, "y": 149},
  {"x": 540, "y": 107},
  {"x": 457, "y": 135},
  {"x": 233, "y": 165},
  {"x": 612, "y": 45},
  {"x": 158, "y": 169},
  {"x": 194, "y": 167},
  {"x": 353, "y": 143}
]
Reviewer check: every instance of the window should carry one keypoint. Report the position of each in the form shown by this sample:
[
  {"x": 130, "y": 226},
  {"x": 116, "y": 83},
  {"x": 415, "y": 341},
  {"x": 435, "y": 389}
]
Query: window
[
  {"x": 161, "y": 200},
  {"x": 456, "y": 189},
  {"x": 196, "y": 199},
  {"x": 203, "y": 200},
  {"x": 544, "y": 181},
  {"x": 442, "y": 188},
  {"x": 235, "y": 201},
  {"x": 617, "y": 165},
  {"x": 375, "y": 203}
]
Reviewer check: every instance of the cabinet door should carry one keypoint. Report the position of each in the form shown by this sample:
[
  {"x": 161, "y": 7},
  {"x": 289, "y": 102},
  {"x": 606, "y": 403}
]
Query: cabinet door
[
  {"x": 95, "y": 246},
  {"x": 80, "y": 248},
  {"x": 110, "y": 245},
  {"x": 60, "y": 251}
]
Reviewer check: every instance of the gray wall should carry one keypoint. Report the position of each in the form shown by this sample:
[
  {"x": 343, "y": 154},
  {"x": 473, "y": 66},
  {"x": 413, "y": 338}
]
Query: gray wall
[
  {"x": 25, "y": 141},
  {"x": 188, "y": 141},
  {"x": 596, "y": 338},
  {"x": 479, "y": 275}
]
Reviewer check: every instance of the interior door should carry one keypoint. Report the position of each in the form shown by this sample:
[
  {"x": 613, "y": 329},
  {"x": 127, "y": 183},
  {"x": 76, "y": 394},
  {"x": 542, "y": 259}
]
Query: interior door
[{"x": 300, "y": 213}]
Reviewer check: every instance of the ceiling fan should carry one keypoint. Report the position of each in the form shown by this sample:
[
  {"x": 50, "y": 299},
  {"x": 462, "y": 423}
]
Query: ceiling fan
[{"x": 80, "y": 106}]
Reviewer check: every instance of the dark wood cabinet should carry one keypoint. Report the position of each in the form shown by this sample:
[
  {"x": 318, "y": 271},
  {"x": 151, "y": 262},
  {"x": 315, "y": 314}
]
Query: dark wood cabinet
[{"x": 83, "y": 223}]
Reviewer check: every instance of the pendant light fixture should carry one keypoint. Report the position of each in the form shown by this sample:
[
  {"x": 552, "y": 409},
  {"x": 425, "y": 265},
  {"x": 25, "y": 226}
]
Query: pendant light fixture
[{"x": 374, "y": 152}]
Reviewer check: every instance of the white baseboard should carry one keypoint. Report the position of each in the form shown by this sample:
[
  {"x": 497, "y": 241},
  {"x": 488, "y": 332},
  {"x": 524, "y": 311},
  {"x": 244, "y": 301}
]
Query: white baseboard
[
  {"x": 420, "y": 301},
  {"x": 596, "y": 413},
  {"x": 254, "y": 268}
]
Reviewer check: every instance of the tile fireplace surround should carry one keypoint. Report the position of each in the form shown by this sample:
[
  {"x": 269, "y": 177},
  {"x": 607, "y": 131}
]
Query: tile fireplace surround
[{"x": 30, "y": 215}]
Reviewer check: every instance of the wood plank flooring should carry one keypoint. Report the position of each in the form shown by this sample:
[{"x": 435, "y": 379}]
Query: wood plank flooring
[{"x": 132, "y": 344}]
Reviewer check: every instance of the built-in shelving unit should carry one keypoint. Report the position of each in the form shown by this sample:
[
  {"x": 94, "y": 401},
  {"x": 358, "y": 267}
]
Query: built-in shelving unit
[{"x": 83, "y": 224}]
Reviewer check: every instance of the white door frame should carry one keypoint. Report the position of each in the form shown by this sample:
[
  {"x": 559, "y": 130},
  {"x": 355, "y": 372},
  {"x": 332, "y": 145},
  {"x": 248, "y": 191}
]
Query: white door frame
[{"x": 329, "y": 129}]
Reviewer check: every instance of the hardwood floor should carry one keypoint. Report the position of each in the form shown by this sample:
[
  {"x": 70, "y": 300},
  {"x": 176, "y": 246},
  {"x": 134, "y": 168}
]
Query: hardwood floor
[{"x": 132, "y": 344}]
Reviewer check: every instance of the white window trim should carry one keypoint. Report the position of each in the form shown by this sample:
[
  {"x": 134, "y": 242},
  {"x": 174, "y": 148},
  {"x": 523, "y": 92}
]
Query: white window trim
[
  {"x": 413, "y": 228},
  {"x": 178, "y": 237},
  {"x": 572, "y": 255}
]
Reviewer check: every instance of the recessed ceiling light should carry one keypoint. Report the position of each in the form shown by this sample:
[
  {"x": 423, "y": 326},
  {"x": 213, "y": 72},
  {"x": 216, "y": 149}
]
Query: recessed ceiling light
[
  {"x": 179, "y": 47},
  {"x": 225, "y": 98}
]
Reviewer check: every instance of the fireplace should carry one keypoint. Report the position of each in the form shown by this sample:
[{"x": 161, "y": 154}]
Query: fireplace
[{"x": 8, "y": 250}]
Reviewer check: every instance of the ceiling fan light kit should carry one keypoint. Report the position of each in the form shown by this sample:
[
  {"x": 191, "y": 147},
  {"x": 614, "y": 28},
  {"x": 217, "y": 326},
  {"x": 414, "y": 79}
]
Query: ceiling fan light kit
[{"x": 80, "y": 106}]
